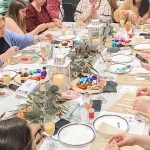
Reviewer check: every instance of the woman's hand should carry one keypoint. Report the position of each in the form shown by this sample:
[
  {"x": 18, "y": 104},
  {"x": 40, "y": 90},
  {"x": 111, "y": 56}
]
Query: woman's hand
[
  {"x": 145, "y": 65},
  {"x": 148, "y": 21},
  {"x": 132, "y": 16},
  {"x": 123, "y": 139},
  {"x": 143, "y": 91},
  {"x": 41, "y": 27},
  {"x": 112, "y": 146},
  {"x": 142, "y": 106},
  {"x": 36, "y": 132},
  {"x": 58, "y": 22},
  {"x": 12, "y": 51}
]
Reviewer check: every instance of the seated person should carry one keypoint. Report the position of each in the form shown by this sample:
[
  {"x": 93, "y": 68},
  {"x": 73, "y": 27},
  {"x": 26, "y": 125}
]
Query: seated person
[
  {"x": 124, "y": 139},
  {"x": 15, "y": 18},
  {"x": 133, "y": 10},
  {"x": 53, "y": 8},
  {"x": 93, "y": 9},
  {"x": 36, "y": 14},
  {"x": 16, "y": 134},
  {"x": 9, "y": 38}
]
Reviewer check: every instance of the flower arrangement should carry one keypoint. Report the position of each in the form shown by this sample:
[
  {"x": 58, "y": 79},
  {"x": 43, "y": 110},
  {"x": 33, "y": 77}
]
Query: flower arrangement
[{"x": 41, "y": 103}]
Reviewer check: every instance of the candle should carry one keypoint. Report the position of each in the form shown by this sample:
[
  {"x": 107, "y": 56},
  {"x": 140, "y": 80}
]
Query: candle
[{"x": 59, "y": 80}]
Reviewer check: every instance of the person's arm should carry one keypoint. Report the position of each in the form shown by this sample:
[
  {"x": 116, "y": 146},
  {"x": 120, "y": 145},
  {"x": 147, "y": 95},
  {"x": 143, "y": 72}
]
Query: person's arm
[
  {"x": 143, "y": 141},
  {"x": 11, "y": 24},
  {"x": 121, "y": 12},
  {"x": 83, "y": 11},
  {"x": 38, "y": 29},
  {"x": 20, "y": 40}
]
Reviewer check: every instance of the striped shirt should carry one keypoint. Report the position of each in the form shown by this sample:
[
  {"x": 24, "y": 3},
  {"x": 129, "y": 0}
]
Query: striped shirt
[{"x": 84, "y": 8}]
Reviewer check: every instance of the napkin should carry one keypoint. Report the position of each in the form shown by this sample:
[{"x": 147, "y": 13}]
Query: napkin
[{"x": 110, "y": 87}]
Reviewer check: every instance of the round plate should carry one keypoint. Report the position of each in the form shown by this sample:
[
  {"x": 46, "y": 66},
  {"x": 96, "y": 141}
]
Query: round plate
[
  {"x": 76, "y": 135},
  {"x": 12, "y": 74},
  {"x": 121, "y": 58},
  {"x": 74, "y": 82},
  {"x": 118, "y": 68},
  {"x": 125, "y": 51},
  {"x": 66, "y": 37},
  {"x": 113, "y": 120},
  {"x": 140, "y": 47},
  {"x": 25, "y": 58}
]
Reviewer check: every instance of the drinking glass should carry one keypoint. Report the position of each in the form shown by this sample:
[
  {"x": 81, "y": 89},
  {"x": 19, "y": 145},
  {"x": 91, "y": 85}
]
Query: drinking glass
[
  {"x": 49, "y": 125},
  {"x": 6, "y": 77},
  {"x": 63, "y": 29},
  {"x": 45, "y": 50},
  {"x": 74, "y": 112},
  {"x": 87, "y": 100}
]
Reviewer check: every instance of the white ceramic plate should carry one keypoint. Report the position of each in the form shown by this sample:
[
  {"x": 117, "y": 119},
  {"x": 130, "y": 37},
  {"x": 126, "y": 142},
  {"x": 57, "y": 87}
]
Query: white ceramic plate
[
  {"x": 140, "y": 47},
  {"x": 76, "y": 134},
  {"x": 121, "y": 58},
  {"x": 113, "y": 120},
  {"x": 66, "y": 37},
  {"x": 119, "y": 68},
  {"x": 12, "y": 74},
  {"x": 125, "y": 51}
]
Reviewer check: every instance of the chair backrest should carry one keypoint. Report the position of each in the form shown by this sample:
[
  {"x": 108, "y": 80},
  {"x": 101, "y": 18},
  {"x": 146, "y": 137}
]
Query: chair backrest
[
  {"x": 69, "y": 7},
  {"x": 71, "y": 2}
]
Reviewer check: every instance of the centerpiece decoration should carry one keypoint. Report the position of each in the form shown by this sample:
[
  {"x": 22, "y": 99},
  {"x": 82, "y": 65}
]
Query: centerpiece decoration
[
  {"x": 46, "y": 101},
  {"x": 82, "y": 58}
]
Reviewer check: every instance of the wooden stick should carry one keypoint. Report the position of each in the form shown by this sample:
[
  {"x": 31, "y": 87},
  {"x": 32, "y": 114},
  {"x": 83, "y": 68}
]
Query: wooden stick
[
  {"x": 124, "y": 105},
  {"x": 130, "y": 100}
]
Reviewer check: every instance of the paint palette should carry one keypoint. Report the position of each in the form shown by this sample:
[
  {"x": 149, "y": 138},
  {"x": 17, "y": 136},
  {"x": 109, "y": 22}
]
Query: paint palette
[
  {"x": 25, "y": 58},
  {"x": 36, "y": 74}
]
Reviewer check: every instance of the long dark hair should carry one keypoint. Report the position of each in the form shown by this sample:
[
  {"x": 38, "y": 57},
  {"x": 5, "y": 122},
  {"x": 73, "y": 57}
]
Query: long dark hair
[
  {"x": 13, "y": 12},
  {"x": 15, "y": 135},
  {"x": 144, "y": 7}
]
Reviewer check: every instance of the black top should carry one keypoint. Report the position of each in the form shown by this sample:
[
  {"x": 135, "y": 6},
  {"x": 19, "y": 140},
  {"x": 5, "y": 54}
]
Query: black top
[{"x": 4, "y": 46}]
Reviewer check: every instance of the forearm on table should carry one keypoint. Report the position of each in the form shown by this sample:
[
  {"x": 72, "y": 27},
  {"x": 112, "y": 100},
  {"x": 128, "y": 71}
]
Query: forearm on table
[
  {"x": 50, "y": 25},
  {"x": 143, "y": 141}
]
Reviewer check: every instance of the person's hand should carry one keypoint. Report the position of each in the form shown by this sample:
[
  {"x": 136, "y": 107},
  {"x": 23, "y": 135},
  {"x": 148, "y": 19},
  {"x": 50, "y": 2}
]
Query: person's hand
[
  {"x": 145, "y": 65},
  {"x": 145, "y": 54},
  {"x": 36, "y": 132},
  {"x": 143, "y": 91},
  {"x": 123, "y": 139},
  {"x": 58, "y": 22},
  {"x": 8, "y": 54},
  {"x": 146, "y": 51},
  {"x": 41, "y": 27},
  {"x": 140, "y": 105},
  {"x": 40, "y": 38},
  {"x": 12, "y": 51},
  {"x": 141, "y": 20},
  {"x": 112, "y": 146},
  {"x": 148, "y": 21},
  {"x": 132, "y": 16}
]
